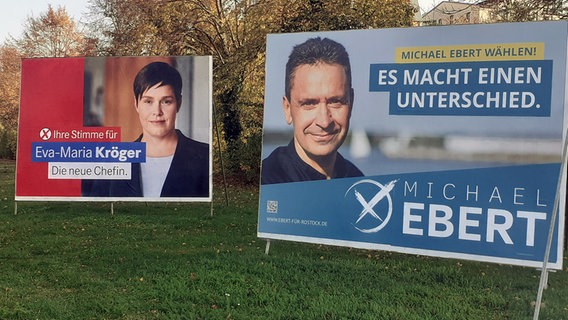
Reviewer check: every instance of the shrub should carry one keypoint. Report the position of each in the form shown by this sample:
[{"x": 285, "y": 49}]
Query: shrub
[{"x": 8, "y": 143}]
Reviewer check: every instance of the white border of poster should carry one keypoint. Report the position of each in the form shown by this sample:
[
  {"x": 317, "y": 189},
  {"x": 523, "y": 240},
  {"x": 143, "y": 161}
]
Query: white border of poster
[
  {"x": 459, "y": 133},
  {"x": 83, "y": 136}
]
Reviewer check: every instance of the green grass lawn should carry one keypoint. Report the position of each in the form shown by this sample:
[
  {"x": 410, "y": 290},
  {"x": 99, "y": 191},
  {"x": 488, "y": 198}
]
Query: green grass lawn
[{"x": 175, "y": 261}]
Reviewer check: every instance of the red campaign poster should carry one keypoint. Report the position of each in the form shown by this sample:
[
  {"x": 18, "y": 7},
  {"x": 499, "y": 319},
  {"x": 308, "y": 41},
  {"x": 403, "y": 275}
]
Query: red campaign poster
[
  {"x": 115, "y": 129},
  {"x": 51, "y": 99}
]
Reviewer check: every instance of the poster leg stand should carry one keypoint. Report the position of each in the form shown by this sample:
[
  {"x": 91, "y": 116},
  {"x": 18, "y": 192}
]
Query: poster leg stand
[
  {"x": 545, "y": 275},
  {"x": 548, "y": 271},
  {"x": 544, "y": 271},
  {"x": 267, "y": 249},
  {"x": 220, "y": 158},
  {"x": 15, "y": 207},
  {"x": 112, "y": 208}
]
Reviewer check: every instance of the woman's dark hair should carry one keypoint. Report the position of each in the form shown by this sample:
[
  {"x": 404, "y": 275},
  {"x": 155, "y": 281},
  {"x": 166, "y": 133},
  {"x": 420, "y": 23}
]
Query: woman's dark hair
[{"x": 157, "y": 73}]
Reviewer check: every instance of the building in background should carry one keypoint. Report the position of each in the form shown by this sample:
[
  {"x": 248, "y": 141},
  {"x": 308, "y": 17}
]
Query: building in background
[
  {"x": 490, "y": 11},
  {"x": 454, "y": 12}
]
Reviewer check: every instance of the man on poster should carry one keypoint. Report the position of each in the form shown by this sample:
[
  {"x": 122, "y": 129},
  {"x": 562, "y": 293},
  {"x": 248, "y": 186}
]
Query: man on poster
[{"x": 318, "y": 103}]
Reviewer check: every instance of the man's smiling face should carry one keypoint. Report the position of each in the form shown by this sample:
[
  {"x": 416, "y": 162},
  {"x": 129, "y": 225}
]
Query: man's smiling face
[{"x": 319, "y": 109}]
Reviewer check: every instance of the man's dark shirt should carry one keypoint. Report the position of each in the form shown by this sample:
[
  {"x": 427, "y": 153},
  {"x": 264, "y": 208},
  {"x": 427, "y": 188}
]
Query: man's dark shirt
[{"x": 284, "y": 165}]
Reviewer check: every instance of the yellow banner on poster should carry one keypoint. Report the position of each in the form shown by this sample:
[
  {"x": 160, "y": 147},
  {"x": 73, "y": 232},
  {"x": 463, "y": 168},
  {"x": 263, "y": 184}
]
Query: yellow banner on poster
[{"x": 472, "y": 52}]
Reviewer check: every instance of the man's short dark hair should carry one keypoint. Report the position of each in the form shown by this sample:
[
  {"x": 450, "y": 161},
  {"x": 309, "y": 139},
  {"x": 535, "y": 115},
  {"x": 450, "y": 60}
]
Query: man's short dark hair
[
  {"x": 314, "y": 51},
  {"x": 157, "y": 73}
]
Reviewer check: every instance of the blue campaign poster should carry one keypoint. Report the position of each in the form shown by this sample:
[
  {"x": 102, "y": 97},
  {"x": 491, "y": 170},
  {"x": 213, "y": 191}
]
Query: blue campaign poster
[{"x": 441, "y": 141}]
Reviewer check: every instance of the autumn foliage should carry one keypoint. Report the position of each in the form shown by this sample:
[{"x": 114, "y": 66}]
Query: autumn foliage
[{"x": 232, "y": 31}]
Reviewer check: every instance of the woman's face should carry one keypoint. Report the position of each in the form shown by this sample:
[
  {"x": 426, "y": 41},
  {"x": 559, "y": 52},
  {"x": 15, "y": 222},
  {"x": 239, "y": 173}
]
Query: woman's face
[{"x": 157, "y": 108}]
